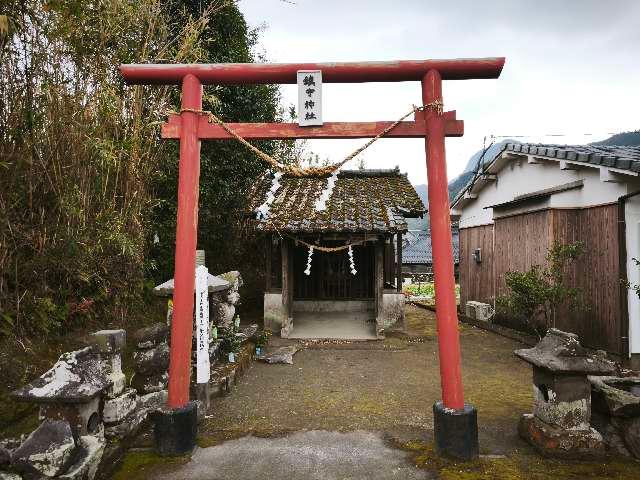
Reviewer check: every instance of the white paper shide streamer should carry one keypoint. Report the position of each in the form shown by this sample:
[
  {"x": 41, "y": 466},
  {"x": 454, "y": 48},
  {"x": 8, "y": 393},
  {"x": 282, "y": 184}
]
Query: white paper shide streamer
[
  {"x": 352, "y": 264},
  {"x": 321, "y": 202},
  {"x": 262, "y": 211},
  {"x": 203, "y": 367},
  {"x": 308, "y": 269}
]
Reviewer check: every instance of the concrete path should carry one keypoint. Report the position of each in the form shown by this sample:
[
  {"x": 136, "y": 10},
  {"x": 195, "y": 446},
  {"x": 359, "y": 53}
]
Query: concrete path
[{"x": 301, "y": 456}]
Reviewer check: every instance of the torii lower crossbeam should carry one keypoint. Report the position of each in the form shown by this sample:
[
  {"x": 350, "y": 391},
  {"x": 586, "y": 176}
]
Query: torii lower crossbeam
[{"x": 329, "y": 130}]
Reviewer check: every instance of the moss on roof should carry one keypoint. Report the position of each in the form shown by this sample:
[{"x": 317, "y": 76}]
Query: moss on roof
[{"x": 361, "y": 201}]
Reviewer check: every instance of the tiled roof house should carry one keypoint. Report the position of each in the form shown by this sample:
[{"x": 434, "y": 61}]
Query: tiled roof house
[
  {"x": 364, "y": 209},
  {"x": 531, "y": 196}
]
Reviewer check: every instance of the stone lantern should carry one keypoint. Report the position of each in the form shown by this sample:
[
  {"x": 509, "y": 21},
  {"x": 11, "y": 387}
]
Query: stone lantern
[
  {"x": 560, "y": 423},
  {"x": 71, "y": 390}
]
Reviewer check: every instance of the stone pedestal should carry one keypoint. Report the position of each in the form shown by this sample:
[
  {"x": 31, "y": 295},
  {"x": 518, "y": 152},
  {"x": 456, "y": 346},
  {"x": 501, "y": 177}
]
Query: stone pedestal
[
  {"x": 456, "y": 431},
  {"x": 175, "y": 430},
  {"x": 552, "y": 441}
]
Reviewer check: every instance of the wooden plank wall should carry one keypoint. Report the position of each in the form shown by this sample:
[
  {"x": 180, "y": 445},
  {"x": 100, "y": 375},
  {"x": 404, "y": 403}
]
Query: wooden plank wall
[
  {"x": 597, "y": 273},
  {"x": 476, "y": 279},
  {"x": 522, "y": 241}
]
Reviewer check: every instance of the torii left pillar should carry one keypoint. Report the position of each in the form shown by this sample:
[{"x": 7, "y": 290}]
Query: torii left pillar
[{"x": 176, "y": 427}]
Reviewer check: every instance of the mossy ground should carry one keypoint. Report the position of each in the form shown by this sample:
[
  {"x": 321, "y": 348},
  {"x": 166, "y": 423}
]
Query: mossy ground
[
  {"x": 519, "y": 466},
  {"x": 142, "y": 464}
]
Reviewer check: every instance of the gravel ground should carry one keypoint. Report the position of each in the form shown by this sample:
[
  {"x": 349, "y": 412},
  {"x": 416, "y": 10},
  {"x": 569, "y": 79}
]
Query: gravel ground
[
  {"x": 363, "y": 410},
  {"x": 385, "y": 386}
]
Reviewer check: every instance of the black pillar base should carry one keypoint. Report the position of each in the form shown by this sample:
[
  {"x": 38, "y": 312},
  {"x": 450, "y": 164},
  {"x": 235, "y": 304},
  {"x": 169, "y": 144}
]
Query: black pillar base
[
  {"x": 456, "y": 431},
  {"x": 175, "y": 431}
]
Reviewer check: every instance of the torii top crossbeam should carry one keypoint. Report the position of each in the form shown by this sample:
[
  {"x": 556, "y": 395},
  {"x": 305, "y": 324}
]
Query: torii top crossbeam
[
  {"x": 191, "y": 126},
  {"x": 335, "y": 72}
]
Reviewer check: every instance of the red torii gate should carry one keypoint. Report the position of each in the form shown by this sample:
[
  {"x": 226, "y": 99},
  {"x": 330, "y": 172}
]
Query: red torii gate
[{"x": 455, "y": 421}]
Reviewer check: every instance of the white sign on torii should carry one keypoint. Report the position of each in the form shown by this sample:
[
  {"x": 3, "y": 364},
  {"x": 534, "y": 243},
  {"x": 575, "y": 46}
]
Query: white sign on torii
[{"x": 309, "y": 97}]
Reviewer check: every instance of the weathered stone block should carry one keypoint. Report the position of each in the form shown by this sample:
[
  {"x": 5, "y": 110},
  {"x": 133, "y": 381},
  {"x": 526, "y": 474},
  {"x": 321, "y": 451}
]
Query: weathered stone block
[
  {"x": 47, "y": 451},
  {"x": 149, "y": 383},
  {"x": 280, "y": 355},
  {"x": 274, "y": 311},
  {"x": 287, "y": 327},
  {"x": 631, "y": 433},
  {"x": 91, "y": 449},
  {"x": 130, "y": 426},
  {"x": 153, "y": 400},
  {"x": 234, "y": 278},
  {"x": 613, "y": 396},
  {"x": 84, "y": 418},
  {"x": 5, "y": 456},
  {"x": 127, "y": 428},
  {"x": 233, "y": 298},
  {"x": 109, "y": 341},
  {"x": 9, "y": 476},
  {"x": 76, "y": 377},
  {"x": 118, "y": 383},
  {"x": 250, "y": 331},
  {"x": 151, "y": 336},
  {"x": 557, "y": 442},
  {"x": 222, "y": 314},
  {"x": 609, "y": 428},
  {"x": 392, "y": 311},
  {"x": 116, "y": 409},
  {"x": 151, "y": 361}
]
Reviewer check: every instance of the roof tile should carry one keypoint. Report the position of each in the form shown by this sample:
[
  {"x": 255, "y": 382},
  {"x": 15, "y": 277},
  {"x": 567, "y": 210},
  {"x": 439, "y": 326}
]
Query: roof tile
[{"x": 361, "y": 201}]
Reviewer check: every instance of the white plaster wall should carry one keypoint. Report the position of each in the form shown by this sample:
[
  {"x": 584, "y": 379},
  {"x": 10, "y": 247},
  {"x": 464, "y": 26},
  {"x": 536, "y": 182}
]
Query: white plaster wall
[
  {"x": 519, "y": 177},
  {"x": 632, "y": 219}
]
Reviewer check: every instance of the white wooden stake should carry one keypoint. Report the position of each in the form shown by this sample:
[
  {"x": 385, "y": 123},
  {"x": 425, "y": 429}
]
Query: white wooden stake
[{"x": 203, "y": 367}]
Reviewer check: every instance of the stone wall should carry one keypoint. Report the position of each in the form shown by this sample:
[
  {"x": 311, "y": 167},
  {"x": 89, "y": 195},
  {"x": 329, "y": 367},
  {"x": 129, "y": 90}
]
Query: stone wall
[{"x": 89, "y": 414}]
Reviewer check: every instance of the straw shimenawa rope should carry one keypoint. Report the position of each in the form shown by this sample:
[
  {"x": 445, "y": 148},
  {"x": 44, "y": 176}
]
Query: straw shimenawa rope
[
  {"x": 310, "y": 171},
  {"x": 326, "y": 249}
]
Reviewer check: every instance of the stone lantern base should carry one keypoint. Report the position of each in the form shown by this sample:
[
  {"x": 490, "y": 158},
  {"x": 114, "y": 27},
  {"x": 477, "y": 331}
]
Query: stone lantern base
[{"x": 557, "y": 442}]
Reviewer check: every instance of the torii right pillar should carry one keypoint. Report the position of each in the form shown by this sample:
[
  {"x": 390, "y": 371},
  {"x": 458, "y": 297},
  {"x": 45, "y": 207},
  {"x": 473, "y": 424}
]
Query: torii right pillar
[{"x": 455, "y": 422}]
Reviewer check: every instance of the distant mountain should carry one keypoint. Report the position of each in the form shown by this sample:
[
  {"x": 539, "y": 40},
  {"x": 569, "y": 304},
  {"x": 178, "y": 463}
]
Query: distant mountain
[
  {"x": 621, "y": 139},
  {"x": 487, "y": 156},
  {"x": 484, "y": 156},
  {"x": 422, "y": 192}
]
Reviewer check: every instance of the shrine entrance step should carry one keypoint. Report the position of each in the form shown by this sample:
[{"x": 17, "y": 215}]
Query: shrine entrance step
[{"x": 334, "y": 325}]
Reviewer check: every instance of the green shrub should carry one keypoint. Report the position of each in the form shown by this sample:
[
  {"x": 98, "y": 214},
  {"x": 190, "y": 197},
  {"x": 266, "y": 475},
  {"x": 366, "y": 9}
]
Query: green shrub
[
  {"x": 230, "y": 342},
  {"x": 263, "y": 338},
  {"x": 632, "y": 286},
  {"x": 536, "y": 295}
]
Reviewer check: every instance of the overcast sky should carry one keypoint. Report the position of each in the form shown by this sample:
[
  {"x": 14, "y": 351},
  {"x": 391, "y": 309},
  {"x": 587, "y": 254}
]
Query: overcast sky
[{"x": 573, "y": 67}]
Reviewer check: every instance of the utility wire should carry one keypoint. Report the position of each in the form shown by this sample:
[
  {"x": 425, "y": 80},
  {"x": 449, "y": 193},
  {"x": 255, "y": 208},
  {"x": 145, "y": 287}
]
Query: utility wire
[{"x": 559, "y": 135}]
